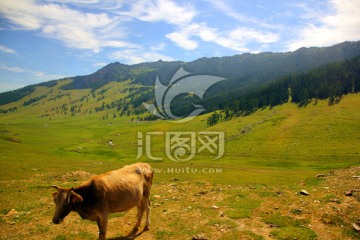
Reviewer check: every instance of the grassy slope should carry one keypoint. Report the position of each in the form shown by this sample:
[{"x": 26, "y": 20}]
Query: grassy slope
[{"x": 271, "y": 150}]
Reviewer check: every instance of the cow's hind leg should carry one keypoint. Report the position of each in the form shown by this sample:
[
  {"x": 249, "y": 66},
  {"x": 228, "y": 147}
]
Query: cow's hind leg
[
  {"x": 148, "y": 210},
  {"x": 140, "y": 213}
]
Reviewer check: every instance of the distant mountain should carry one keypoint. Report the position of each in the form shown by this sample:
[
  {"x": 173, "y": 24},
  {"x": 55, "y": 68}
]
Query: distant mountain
[
  {"x": 245, "y": 73},
  {"x": 241, "y": 70}
]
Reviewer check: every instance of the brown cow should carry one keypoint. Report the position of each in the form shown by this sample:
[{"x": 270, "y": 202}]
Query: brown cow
[{"x": 111, "y": 192}]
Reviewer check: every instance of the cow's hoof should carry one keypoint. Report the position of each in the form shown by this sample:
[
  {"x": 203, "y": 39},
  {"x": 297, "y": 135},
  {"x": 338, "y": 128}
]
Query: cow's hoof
[
  {"x": 146, "y": 228},
  {"x": 132, "y": 233}
]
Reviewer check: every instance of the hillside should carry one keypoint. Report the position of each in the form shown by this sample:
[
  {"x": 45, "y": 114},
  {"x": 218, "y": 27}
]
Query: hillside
[
  {"x": 269, "y": 157},
  {"x": 120, "y": 90},
  {"x": 64, "y": 131},
  {"x": 307, "y": 139},
  {"x": 241, "y": 71},
  {"x": 330, "y": 81},
  {"x": 124, "y": 98}
]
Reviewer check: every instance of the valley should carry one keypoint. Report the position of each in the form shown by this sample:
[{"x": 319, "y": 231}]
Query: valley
[
  {"x": 274, "y": 156},
  {"x": 269, "y": 156}
]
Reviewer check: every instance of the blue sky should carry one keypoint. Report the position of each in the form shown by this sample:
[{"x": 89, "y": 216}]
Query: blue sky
[{"x": 46, "y": 40}]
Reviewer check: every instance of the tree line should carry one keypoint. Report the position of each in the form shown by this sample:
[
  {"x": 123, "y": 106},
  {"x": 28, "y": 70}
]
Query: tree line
[{"x": 331, "y": 81}]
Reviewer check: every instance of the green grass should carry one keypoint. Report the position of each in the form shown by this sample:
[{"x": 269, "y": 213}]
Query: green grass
[
  {"x": 80, "y": 235},
  {"x": 284, "y": 221},
  {"x": 236, "y": 234},
  {"x": 240, "y": 206},
  {"x": 42, "y": 228},
  {"x": 332, "y": 198},
  {"x": 163, "y": 234},
  {"x": 4, "y": 211},
  {"x": 313, "y": 181},
  {"x": 290, "y": 228},
  {"x": 294, "y": 233},
  {"x": 222, "y": 222},
  {"x": 310, "y": 139},
  {"x": 60, "y": 237},
  {"x": 285, "y": 145},
  {"x": 332, "y": 219}
]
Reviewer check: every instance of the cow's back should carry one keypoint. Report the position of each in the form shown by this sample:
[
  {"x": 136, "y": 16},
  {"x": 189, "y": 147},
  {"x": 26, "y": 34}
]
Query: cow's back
[{"x": 124, "y": 188}]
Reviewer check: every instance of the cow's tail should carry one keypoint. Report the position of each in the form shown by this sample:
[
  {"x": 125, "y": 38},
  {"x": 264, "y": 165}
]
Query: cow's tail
[
  {"x": 151, "y": 176},
  {"x": 148, "y": 175}
]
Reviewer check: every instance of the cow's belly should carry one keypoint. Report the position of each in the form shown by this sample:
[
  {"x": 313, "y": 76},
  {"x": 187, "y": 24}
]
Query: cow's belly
[{"x": 124, "y": 201}]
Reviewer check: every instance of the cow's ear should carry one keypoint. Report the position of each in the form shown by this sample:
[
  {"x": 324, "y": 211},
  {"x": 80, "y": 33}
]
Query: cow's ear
[
  {"x": 76, "y": 198},
  {"x": 54, "y": 194}
]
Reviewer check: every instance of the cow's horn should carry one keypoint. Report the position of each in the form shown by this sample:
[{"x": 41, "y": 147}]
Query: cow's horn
[{"x": 54, "y": 186}]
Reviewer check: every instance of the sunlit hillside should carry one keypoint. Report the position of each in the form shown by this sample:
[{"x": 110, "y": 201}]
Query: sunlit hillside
[
  {"x": 238, "y": 177},
  {"x": 278, "y": 150}
]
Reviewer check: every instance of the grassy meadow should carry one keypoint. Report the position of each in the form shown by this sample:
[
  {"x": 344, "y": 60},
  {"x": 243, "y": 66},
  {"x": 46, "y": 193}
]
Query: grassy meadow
[{"x": 269, "y": 157}]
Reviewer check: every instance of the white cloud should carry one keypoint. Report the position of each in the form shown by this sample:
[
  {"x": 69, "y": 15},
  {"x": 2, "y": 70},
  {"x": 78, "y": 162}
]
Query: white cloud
[
  {"x": 37, "y": 74},
  {"x": 11, "y": 69},
  {"x": 247, "y": 35},
  {"x": 225, "y": 8},
  {"x": 158, "y": 47},
  {"x": 132, "y": 56},
  {"x": 6, "y": 49},
  {"x": 232, "y": 44},
  {"x": 77, "y": 1},
  {"x": 161, "y": 10},
  {"x": 182, "y": 39},
  {"x": 342, "y": 24},
  {"x": 247, "y": 30},
  {"x": 90, "y": 31},
  {"x": 45, "y": 77},
  {"x": 120, "y": 44},
  {"x": 242, "y": 18},
  {"x": 97, "y": 30},
  {"x": 100, "y": 64},
  {"x": 236, "y": 39},
  {"x": 207, "y": 34},
  {"x": 94, "y": 24}
]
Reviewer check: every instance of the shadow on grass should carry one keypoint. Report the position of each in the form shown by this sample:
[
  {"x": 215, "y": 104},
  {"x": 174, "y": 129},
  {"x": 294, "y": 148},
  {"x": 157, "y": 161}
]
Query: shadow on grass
[{"x": 131, "y": 235}]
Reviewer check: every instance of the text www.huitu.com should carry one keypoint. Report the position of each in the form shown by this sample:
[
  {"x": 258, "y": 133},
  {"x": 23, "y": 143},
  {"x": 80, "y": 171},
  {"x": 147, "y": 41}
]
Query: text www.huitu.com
[{"x": 187, "y": 170}]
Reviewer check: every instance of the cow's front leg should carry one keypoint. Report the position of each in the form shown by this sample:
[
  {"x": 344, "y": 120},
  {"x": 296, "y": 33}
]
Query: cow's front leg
[{"x": 102, "y": 224}]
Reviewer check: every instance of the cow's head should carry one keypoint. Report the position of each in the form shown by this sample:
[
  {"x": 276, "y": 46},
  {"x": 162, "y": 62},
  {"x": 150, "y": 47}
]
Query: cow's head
[{"x": 65, "y": 199}]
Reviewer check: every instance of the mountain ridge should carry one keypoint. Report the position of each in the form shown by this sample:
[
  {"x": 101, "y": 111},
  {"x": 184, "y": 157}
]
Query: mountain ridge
[
  {"x": 243, "y": 72},
  {"x": 297, "y": 61}
]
